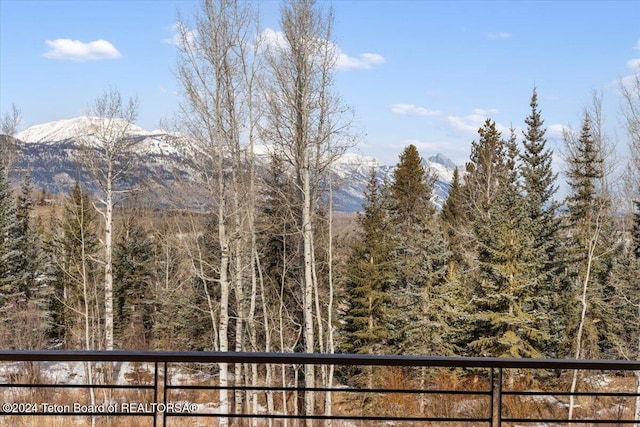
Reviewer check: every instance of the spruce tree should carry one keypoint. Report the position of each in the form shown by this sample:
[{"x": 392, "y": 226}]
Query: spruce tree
[
  {"x": 484, "y": 171},
  {"x": 7, "y": 219},
  {"x": 368, "y": 275},
  {"x": 455, "y": 223},
  {"x": 8, "y": 289},
  {"x": 626, "y": 302},
  {"x": 280, "y": 255},
  {"x": 539, "y": 187},
  {"x": 25, "y": 281},
  {"x": 504, "y": 320},
  {"x": 27, "y": 256},
  {"x": 594, "y": 245},
  {"x": 418, "y": 303},
  {"x": 133, "y": 276}
]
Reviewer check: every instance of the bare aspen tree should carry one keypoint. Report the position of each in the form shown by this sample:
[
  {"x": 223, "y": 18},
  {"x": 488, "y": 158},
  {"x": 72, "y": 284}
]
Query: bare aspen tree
[
  {"x": 302, "y": 116},
  {"x": 9, "y": 127},
  {"x": 110, "y": 154},
  {"x": 215, "y": 70}
]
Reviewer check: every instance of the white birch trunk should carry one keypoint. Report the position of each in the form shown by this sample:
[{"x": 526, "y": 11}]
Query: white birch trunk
[
  {"x": 108, "y": 262},
  {"x": 283, "y": 369},
  {"x": 330, "y": 343},
  {"x": 307, "y": 233},
  {"x": 593, "y": 242},
  {"x": 85, "y": 295},
  {"x": 223, "y": 338},
  {"x": 240, "y": 315}
]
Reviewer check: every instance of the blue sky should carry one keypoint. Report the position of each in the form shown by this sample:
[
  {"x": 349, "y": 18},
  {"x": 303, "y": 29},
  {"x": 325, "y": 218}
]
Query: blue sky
[{"x": 421, "y": 72}]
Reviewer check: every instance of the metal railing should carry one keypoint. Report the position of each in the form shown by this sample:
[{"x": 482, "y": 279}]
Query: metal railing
[{"x": 171, "y": 387}]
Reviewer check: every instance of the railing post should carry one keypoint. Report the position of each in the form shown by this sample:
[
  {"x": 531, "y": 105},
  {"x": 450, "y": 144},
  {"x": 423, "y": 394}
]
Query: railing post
[
  {"x": 499, "y": 396},
  {"x": 155, "y": 391},
  {"x": 492, "y": 389},
  {"x": 164, "y": 393}
]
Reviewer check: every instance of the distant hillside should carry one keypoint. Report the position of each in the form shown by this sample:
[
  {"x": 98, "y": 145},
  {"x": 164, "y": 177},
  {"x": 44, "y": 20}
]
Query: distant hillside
[{"x": 50, "y": 152}]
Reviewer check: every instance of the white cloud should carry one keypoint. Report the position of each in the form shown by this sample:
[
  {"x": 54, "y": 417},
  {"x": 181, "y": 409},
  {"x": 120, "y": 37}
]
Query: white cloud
[
  {"x": 75, "y": 50},
  {"x": 364, "y": 62},
  {"x": 427, "y": 148},
  {"x": 470, "y": 124},
  {"x": 500, "y": 35},
  {"x": 638, "y": 45},
  {"x": 467, "y": 124},
  {"x": 485, "y": 113},
  {"x": 272, "y": 38},
  {"x": 180, "y": 35},
  {"x": 634, "y": 64},
  {"x": 557, "y": 131},
  {"x": 631, "y": 80},
  {"x": 412, "y": 110}
]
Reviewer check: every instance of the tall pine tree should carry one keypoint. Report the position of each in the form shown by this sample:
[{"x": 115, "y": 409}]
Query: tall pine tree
[
  {"x": 24, "y": 276},
  {"x": 133, "y": 292},
  {"x": 593, "y": 244},
  {"x": 368, "y": 275},
  {"x": 453, "y": 214},
  {"x": 539, "y": 187},
  {"x": 418, "y": 320},
  {"x": 504, "y": 321}
]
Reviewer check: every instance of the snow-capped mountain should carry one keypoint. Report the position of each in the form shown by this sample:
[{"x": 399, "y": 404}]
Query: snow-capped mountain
[
  {"x": 352, "y": 172},
  {"x": 50, "y": 151},
  {"x": 63, "y": 130},
  {"x": 88, "y": 130}
]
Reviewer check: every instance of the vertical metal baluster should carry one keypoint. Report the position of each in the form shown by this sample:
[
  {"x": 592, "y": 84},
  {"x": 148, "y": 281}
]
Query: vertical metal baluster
[
  {"x": 499, "y": 397},
  {"x": 155, "y": 391},
  {"x": 491, "y": 397},
  {"x": 164, "y": 394}
]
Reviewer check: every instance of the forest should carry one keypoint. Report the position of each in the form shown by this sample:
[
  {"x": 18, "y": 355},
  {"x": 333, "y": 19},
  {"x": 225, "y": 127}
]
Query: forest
[{"x": 250, "y": 259}]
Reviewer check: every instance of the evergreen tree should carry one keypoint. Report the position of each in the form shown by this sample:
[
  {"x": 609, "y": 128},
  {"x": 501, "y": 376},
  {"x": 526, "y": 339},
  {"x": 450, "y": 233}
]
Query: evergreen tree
[
  {"x": 7, "y": 220},
  {"x": 594, "y": 245},
  {"x": 175, "y": 300},
  {"x": 368, "y": 274},
  {"x": 411, "y": 191},
  {"x": 539, "y": 187},
  {"x": 538, "y": 178},
  {"x": 280, "y": 256},
  {"x": 626, "y": 301},
  {"x": 24, "y": 278},
  {"x": 505, "y": 322},
  {"x": 417, "y": 317},
  {"x": 133, "y": 277},
  {"x": 455, "y": 223},
  {"x": 484, "y": 171},
  {"x": 27, "y": 258}
]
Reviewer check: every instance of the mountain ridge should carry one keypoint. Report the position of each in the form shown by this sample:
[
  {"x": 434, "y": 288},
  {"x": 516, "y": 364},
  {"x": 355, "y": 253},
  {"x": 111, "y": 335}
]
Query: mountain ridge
[{"x": 49, "y": 151}]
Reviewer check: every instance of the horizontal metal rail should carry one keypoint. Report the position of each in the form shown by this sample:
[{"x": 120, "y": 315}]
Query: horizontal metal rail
[
  {"x": 313, "y": 359},
  {"x": 491, "y": 395}
]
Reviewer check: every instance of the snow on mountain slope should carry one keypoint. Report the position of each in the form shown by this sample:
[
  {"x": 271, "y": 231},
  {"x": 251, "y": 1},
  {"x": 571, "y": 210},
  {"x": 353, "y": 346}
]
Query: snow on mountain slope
[
  {"x": 352, "y": 173},
  {"x": 63, "y": 130},
  {"x": 50, "y": 150},
  {"x": 156, "y": 142}
]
